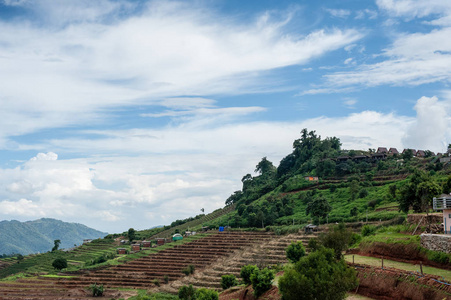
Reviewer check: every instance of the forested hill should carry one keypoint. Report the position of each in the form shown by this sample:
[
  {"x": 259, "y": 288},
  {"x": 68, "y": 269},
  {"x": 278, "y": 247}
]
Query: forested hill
[
  {"x": 321, "y": 182},
  {"x": 39, "y": 235}
]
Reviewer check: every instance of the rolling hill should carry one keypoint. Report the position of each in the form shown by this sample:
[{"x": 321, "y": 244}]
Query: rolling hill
[{"x": 39, "y": 235}]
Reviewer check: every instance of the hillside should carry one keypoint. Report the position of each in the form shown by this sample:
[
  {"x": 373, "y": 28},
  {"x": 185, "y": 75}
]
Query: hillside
[
  {"x": 320, "y": 182},
  {"x": 39, "y": 235}
]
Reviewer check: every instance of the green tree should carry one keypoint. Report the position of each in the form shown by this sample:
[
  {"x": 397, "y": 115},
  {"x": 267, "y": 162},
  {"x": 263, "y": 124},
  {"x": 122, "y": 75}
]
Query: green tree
[
  {"x": 56, "y": 244},
  {"x": 418, "y": 192},
  {"x": 318, "y": 276},
  {"x": 59, "y": 264},
  {"x": 338, "y": 238},
  {"x": 295, "y": 251},
  {"x": 265, "y": 167},
  {"x": 407, "y": 155},
  {"x": 206, "y": 294},
  {"x": 246, "y": 272},
  {"x": 227, "y": 281},
  {"x": 318, "y": 208},
  {"x": 19, "y": 258},
  {"x": 187, "y": 292},
  {"x": 261, "y": 281},
  {"x": 447, "y": 186},
  {"x": 354, "y": 211},
  {"x": 353, "y": 189},
  {"x": 131, "y": 234}
]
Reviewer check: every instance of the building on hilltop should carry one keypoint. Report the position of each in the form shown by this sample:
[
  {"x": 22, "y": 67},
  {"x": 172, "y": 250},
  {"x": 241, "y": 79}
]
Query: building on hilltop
[
  {"x": 381, "y": 150},
  {"x": 420, "y": 153},
  {"x": 444, "y": 203},
  {"x": 393, "y": 151}
]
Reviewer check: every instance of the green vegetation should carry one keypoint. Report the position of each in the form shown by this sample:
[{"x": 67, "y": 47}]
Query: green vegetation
[
  {"x": 373, "y": 261},
  {"x": 261, "y": 280},
  {"x": 246, "y": 272},
  {"x": 187, "y": 292},
  {"x": 227, "y": 281},
  {"x": 318, "y": 276},
  {"x": 96, "y": 290},
  {"x": 59, "y": 264},
  {"x": 188, "y": 270},
  {"x": 295, "y": 251},
  {"x": 39, "y": 236}
]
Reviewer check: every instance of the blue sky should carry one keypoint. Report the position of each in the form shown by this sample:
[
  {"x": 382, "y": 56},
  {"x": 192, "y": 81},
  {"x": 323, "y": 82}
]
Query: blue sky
[{"x": 120, "y": 114}]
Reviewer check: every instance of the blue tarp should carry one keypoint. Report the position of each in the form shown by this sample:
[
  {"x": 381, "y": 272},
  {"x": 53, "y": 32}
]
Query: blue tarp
[{"x": 221, "y": 228}]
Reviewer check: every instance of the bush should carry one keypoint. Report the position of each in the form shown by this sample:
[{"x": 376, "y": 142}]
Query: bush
[
  {"x": 338, "y": 238},
  {"x": 166, "y": 279},
  {"x": 313, "y": 244},
  {"x": 227, "y": 281},
  {"x": 246, "y": 272},
  {"x": 368, "y": 230},
  {"x": 187, "y": 292},
  {"x": 188, "y": 270},
  {"x": 206, "y": 294},
  {"x": 440, "y": 257},
  {"x": 97, "y": 290},
  {"x": 156, "y": 282},
  {"x": 318, "y": 276},
  {"x": 261, "y": 281},
  {"x": 295, "y": 251},
  {"x": 59, "y": 263},
  {"x": 363, "y": 193}
]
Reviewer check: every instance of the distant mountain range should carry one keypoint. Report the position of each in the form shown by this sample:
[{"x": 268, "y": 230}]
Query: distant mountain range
[{"x": 39, "y": 235}]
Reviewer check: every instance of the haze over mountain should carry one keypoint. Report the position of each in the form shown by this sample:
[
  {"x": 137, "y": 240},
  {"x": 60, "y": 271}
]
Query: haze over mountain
[{"x": 39, "y": 235}]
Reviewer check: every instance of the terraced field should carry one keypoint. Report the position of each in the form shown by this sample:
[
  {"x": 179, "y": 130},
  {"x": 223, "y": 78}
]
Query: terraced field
[
  {"x": 264, "y": 254},
  {"x": 194, "y": 224},
  {"x": 212, "y": 256}
]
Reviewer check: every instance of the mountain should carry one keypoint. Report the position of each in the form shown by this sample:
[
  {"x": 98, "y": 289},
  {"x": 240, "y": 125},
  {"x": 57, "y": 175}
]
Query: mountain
[{"x": 39, "y": 235}]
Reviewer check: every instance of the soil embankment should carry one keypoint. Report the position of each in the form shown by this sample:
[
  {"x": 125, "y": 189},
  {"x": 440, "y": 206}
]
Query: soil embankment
[
  {"x": 408, "y": 253},
  {"x": 390, "y": 284}
]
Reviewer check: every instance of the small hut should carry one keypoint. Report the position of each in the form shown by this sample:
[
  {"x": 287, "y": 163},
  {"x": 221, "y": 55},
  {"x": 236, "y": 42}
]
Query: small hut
[
  {"x": 121, "y": 251},
  {"x": 136, "y": 247},
  {"x": 147, "y": 244},
  {"x": 310, "y": 228},
  {"x": 160, "y": 241},
  {"x": 177, "y": 237}
]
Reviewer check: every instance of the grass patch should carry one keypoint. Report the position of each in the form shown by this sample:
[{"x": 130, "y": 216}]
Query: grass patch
[{"x": 376, "y": 262}]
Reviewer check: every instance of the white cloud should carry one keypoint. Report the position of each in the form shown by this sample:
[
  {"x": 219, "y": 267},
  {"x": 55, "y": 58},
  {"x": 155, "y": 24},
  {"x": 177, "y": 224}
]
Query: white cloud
[
  {"x": 414, "y": 8},
  {"x": 165, "y": 50},
  {"x": 339, "y": 13},
  {"x": 431, "y": 129},
  {"x": 350, "y": 103},
  {"x": 172, "y": 172},
  {"x": 45, "y": 156}
]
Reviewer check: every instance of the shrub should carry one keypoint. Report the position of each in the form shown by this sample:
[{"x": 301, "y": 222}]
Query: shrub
[
  {"x": 156, "y": 282},
  {"x": 295, "y": 251},
  {"x": 363, "y": 193},
  {"x": 246, "y": 272},
  {"x": 188, "y": 270},
  {"x": 187, "y": 292},
  {"x": 313, "y": 244},
  {"x": 261, "y": 281},
  {"x": 318, "y": 276},
  {"x": 338, "y": 239},
  {"x": 440, "y": 257},
  {"x": 206, "y": 294},
  {"x": 166, "y": 279},
  {"x": 227, "y": 281},
  {"x": 97, "y": 290},
  {"x": 368, "y": 230},
  {"x": 59, "y": 263}
]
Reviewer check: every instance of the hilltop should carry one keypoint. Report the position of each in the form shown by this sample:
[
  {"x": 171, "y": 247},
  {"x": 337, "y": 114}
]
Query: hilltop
[{"x": 39, "y": 235}]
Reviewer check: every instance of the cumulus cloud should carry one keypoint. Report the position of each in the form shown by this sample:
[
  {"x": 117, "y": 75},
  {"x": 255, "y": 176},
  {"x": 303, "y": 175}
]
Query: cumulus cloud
[
  {"x": 45, "y": 156},
  {"x": 171, "y": 173},
  {"x": 431, "y": 127}
]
